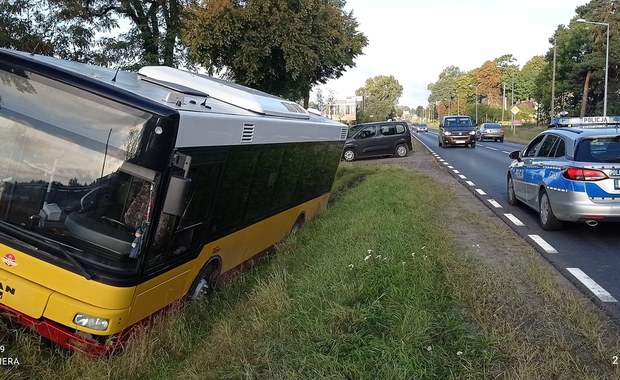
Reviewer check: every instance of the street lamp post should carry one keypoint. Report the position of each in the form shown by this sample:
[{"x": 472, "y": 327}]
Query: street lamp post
[{"x": 606, "y": 59}]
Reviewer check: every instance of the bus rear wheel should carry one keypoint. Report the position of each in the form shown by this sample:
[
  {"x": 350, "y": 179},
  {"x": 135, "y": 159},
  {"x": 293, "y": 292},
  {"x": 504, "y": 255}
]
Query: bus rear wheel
[
  {"x": 205, "y": 282},
  {"x": 297, "y": 225}
]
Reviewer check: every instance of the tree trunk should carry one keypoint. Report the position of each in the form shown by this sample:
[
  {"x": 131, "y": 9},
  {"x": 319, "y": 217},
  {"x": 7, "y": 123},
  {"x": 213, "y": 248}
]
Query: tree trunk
[{"x": 584, "y": 99}]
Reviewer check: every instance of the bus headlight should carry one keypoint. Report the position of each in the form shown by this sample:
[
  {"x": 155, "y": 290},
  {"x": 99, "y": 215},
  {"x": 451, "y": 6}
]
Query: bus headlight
[{"x": 91, "y": 322}]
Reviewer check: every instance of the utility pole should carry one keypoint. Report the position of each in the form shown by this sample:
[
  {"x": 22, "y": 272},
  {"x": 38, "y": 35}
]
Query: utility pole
[
  {"x": 503, "y": 99},
  {"x": 551, "y": 111}
]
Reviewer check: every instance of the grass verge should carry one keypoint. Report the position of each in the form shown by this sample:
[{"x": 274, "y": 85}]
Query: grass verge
[{"x": 379, "y": 287}]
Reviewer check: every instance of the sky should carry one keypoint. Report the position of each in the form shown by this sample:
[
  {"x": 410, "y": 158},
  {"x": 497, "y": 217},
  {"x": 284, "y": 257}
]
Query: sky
[{"x": 415, "y": 40}]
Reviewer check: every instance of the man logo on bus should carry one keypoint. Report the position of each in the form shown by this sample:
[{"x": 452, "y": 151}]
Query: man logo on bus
[{"x": 9, "y": 260}]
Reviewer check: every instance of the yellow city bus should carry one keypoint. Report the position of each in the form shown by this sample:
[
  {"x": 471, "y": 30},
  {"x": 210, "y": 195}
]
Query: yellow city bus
[{"x": 123, "y": 192}]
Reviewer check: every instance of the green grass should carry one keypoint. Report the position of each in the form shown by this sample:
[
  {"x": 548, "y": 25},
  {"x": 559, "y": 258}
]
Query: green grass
[
  {"x": 375, "y": 288},
  {"x": 523, "y": 134}
]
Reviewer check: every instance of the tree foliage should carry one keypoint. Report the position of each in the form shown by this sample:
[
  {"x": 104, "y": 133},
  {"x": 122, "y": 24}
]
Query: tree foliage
[
  {"x": 489, "y": 81},
  {"x": 279, "y": 46},
  {"x": 88, "y": 30},
  {"x": 528, "y": 76},
  {"x": 579, "y": 86},
  {"x": 381, "y": 94}
]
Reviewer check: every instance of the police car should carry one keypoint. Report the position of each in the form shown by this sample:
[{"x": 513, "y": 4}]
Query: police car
[{"x": 570, "y": 172}]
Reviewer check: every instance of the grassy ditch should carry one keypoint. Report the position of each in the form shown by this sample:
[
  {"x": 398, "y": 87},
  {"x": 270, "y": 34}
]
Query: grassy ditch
[
  {"x": 376, "y": 288},
  {"x": 523, "y": 134}
]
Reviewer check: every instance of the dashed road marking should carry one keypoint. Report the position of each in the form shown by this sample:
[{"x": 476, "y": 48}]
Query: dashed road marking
[
  {"x": 481, "y": 192},
  {"x": 450, "y": 167},
  {"x": 494, "y": 203},
  {"x": 543, "y": 244},
  {"x": 455, "y": 171},
  {"x": 488, "y": 147},
  {"x": 595, "y": 288},
  {"x": 445, "y": 163},
  {"x": 462, "y": 176},
  {"x": 514, "y": 220},
  {"x": 470, "y": 183},
  {"x": 503, "y": 151}
]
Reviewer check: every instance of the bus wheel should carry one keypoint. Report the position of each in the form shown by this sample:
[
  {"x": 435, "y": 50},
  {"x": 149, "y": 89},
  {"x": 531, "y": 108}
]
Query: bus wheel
[
  {"x": 297, "y": 225},
  {"x": 205, "y": 281}
]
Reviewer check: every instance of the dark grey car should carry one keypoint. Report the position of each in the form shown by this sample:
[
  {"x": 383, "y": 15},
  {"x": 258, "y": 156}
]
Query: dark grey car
[{"x": 387, "y": 138}]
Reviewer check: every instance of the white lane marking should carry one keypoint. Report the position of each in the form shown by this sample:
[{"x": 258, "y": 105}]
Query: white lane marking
[
  {"x": 450, "y": 167},
  {"x": 455, "y": 171},
  {"x": 494, "y": 203},
  {"x": 543, "y": 244},
  {"x": 595, "y": 288},
  {"x": 503, "y": 151},
  {"x": 514, "y": 220},
  {"x": 470, "y": 183},
  {"x": 462, "y": 176},
  {"x": 488, "y": 147},
  {"x": 446, "y": 163},
  {"x": 481, "y": 192}
]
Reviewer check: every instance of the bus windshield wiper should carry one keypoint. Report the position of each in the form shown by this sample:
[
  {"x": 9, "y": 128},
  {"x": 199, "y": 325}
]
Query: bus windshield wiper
[{"x": 36, "y": 240}]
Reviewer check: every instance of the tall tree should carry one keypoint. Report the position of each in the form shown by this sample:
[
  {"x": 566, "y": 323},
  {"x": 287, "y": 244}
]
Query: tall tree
[
  {"x": 528, "y": 76},
  {"x": 73, "y": 29},
  {"x": 51, "y": 28},
  {"x": 319, "y": 99},
  {"x": 381, "y": 94},
  {"x": 279, "y": 46},
  {"x": 489, "y": 82},
  {"x": 443, "y": 91},
  {"x": 593, "y": 60}
]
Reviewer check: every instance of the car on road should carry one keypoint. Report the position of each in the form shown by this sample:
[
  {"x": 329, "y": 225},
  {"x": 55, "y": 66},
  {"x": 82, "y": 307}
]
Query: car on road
[
  {"x": 570, "y": 173},
  {"x": 386, "y": 138},
  {"x": 457, "y": 130},
  {"x": 490, "y": 131},
  {"x": 421, "y": 127}
]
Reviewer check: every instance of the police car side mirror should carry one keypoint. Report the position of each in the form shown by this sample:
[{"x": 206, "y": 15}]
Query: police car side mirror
[{"x": 515, "y": 155}]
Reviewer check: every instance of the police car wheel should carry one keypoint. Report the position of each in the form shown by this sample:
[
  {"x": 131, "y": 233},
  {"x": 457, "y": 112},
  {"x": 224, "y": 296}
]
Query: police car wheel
[
  {"x": 548, "y": 221},
  {"x": 512, "y": 198}
]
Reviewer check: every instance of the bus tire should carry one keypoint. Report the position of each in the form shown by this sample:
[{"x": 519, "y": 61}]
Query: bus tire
[
  {"x": 205, "y": 282},
  {"x": 298, "y": 224}
]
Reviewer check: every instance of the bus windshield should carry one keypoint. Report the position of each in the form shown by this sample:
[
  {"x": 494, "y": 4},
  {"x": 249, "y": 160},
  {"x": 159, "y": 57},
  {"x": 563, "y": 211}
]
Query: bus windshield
[{"x": 68, "y": 171}]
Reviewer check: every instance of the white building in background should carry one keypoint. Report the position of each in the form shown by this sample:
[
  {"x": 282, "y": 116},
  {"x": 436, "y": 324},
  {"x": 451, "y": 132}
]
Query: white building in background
[{"x": 344, "y": 110}]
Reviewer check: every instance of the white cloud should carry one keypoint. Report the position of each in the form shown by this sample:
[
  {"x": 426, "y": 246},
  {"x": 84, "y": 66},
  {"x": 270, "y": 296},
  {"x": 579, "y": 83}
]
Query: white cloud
[{"x": 415, "y": 40}]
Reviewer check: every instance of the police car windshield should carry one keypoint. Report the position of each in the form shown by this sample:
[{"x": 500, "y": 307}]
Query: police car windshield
[{"x": 606, "y": 149}]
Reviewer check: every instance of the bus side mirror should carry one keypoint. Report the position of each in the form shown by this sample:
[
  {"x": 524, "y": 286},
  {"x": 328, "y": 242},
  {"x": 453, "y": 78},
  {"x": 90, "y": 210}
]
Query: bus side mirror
[{"x": 176, "y": 196}]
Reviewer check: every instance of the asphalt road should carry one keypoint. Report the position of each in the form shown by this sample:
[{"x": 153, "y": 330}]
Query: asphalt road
[{"x": 588, "y": 256}]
